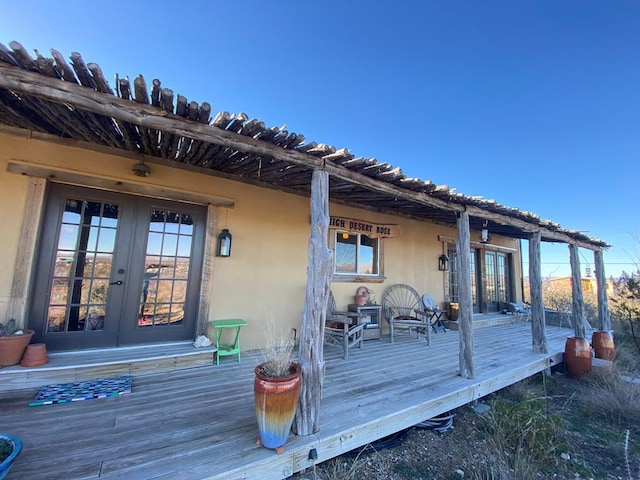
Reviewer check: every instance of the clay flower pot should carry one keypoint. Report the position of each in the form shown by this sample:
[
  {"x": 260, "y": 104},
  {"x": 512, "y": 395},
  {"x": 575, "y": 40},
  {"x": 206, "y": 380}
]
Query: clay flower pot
[
  {"x": 35, "y": 355},
  {"x": 577, "y": 356},
  {"x": 603, "y": 346},
  {"x": 276, "y": 401},
  {"x": 12, "y": 348}
]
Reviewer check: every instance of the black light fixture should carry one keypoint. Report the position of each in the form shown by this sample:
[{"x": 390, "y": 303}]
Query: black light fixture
[
  {"x": 443, "y": 263},
  {"x": 140, "y": 169},
  {"x": 484, "y": 235},
  {"x": 224, "y": 243}
]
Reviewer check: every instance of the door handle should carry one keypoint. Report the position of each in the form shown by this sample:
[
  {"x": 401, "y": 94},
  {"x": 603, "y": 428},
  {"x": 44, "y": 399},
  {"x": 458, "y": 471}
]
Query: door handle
[{"x": 119, "y": 282}]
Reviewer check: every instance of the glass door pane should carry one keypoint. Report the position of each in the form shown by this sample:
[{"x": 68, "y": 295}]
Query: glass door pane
[
  {"x": 83, "y": 264},
  {"x": 491, "y": 279},
  {"x": 167, "y": 265},
  {"x": 503, "y": 283}
]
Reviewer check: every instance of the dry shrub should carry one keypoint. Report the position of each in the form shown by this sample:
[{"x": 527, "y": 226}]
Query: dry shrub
[
  {"x": 339, "y": 468},
  {"x": 611, "y": 398},
  {"x": 277, "y": 354},
  {"x": 525, "y": 438}
]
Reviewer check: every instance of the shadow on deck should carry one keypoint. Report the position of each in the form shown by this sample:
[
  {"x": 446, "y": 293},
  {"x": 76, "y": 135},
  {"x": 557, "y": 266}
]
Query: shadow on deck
[{"x": 199, "y": 423}]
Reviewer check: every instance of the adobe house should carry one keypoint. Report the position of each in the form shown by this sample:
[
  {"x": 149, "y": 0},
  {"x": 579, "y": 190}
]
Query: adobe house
[{"x": 115, "y": 196}]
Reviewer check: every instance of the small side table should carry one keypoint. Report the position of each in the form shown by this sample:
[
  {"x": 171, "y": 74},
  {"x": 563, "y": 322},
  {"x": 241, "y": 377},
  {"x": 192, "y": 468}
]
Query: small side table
[{"x": 227, "y": 348}]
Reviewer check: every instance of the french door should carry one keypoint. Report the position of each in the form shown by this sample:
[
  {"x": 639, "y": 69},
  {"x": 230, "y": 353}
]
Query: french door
[
  {"x": 116, "y": 269},
  {"x": 496, "y": 276}
]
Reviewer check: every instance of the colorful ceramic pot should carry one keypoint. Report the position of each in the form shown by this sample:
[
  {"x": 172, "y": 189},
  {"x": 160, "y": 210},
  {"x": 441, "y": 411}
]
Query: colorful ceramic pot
[{"x": 276, "y": 401}]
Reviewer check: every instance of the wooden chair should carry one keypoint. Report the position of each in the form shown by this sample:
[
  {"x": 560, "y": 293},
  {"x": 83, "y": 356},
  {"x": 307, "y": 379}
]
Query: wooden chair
[
  {"x": 343, "y": 328},
  {"x": 403, "y": 309}
]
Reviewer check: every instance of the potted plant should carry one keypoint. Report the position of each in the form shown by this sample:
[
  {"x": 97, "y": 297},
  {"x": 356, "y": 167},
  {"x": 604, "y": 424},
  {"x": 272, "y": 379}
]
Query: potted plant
[
  {"x": 276, "y": 391},
  {"x": 13, "y": 343},
  {"x": 10, "y": 448}
]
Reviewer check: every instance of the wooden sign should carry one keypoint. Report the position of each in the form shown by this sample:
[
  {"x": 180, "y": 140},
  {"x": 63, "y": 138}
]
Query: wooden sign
[{"x": 371, "y": 230}]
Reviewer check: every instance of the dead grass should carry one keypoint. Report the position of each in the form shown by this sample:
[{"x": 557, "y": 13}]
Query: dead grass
[{"x": 611, "y": 398}]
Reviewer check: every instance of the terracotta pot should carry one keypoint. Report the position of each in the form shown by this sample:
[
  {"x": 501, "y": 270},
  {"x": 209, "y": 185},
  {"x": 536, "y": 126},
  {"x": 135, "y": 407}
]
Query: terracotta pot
[
  {"x": 35, "y": 355},
  {"x": 577, "y": 356},
  {"x": 276, "y": 401},
  {"x": 12, "y": 348},
  {"x": 602, "y": 343}
]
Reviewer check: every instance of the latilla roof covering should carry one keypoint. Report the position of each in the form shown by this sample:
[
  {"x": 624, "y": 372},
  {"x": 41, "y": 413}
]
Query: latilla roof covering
[{"x": 74, "y": 101}]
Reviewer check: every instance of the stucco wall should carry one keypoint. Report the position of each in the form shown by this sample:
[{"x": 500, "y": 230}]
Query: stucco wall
[{"x": 266, "y": 273}]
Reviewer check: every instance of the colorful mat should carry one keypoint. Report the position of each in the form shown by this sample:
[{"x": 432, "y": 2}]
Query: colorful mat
[{"x": 74, "y": 392}]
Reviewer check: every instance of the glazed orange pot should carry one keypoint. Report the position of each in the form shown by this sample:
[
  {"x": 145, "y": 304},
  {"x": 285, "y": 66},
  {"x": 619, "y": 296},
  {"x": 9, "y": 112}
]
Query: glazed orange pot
[
  {"x": 603, "y": 346},
  {"x": 577, "y": 356},
  {"x": 276, "y": 402}
]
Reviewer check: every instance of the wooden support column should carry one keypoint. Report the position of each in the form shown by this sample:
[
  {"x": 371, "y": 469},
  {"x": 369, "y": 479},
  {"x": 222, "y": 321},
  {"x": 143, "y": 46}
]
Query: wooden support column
[
  {"x": 604, "y": 317},
  {"x": 577, "y": 316},
  {"x": 319, "y": 275},
  {"x": 538, "y": 332},
  {"x": 465, "y": 314},
  {"x": 18, "y": 307}
]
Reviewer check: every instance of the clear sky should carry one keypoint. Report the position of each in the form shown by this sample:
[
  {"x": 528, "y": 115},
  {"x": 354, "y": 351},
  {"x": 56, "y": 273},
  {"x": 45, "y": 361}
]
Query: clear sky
[{"x": 534, "y": 104}]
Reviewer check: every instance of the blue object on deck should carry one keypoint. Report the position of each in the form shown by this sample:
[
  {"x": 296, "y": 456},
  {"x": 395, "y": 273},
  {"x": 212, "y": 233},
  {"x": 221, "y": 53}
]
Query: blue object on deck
[{"x": 5, "y": 466}]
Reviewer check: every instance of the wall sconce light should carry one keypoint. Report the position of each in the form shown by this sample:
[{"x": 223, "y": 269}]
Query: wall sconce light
[
  {"x": 443, "y": 263},
  {"x": 140, "y": 169},
  {"x": 224, "y": 244},
  {"x": 484, "y": 236}
]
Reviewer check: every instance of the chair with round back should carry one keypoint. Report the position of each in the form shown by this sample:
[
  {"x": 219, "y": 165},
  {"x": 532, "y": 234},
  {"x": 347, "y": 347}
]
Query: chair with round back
[{"x": 403, "y": 309}]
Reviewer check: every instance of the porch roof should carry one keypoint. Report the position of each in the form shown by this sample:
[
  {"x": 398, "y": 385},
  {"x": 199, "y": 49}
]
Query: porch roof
[{"x": 74, "y": 104}]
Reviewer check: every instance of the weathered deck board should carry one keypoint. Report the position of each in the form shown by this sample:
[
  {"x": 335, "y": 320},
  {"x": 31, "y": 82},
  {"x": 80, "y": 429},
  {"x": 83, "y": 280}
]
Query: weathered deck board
[
  {"x": 91, "y": 364},
  {"x": 200, "y": 423}
]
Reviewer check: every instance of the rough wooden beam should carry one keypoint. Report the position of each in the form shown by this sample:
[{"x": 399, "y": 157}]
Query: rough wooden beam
[
  {"x": 604, "y": 317},
  {"x": 577, "y": 316},
  {"x": 116, "y": 184},
  {"x": 319, "y": 274},
  {"x": 538, "y": 333},
  {"x": 23, "y": 274},
  {"x": 465, "y": 308}
]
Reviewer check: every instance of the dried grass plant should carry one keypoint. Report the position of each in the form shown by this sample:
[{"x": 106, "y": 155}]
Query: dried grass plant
[
  {"x": 277, "y": 354},
  {"x": 612, "y": 398}
]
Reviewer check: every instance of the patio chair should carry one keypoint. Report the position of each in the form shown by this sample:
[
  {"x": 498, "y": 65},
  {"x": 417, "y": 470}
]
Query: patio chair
[
  {"x": 403, "y": 309},
  {"x": 343, "y": 328},
  {"x": 517, "y": 309}
]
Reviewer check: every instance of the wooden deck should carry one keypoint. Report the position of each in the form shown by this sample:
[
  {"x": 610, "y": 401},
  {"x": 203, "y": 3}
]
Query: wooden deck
[{"x": 199, "y": 423}]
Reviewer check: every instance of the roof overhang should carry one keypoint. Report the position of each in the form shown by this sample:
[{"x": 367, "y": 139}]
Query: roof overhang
[{"x": 74, "y": 103}]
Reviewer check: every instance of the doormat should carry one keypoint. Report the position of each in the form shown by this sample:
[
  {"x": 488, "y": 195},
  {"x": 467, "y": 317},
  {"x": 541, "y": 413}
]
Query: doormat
[{"x": 74, "y": 392}]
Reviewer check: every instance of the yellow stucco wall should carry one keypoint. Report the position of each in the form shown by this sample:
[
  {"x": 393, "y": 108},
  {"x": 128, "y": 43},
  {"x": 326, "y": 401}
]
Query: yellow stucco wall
[{"x": 266, "y": 273}]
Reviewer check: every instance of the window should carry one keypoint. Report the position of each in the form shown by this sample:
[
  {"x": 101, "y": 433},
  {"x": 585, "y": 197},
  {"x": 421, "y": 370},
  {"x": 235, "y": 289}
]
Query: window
[{"x": 356, "y": 254}]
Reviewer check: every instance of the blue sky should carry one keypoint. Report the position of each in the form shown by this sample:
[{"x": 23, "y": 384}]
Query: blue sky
[{"x": 534, "y": 104}]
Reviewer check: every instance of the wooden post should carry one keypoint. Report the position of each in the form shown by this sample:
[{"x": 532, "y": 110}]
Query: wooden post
[
  {"x": 538, "y": 332},
  {"x": 577, "y": 316},
  {"x": 23, "y": 273},
  {"x": 319, "y": 275},
  {"x": 465, "y": 314},
  {"x": 604, "y": 318}
]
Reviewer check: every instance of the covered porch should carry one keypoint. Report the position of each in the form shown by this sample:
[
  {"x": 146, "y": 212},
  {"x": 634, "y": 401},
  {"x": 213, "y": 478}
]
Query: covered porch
[{"x": 199, "y": 423}]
